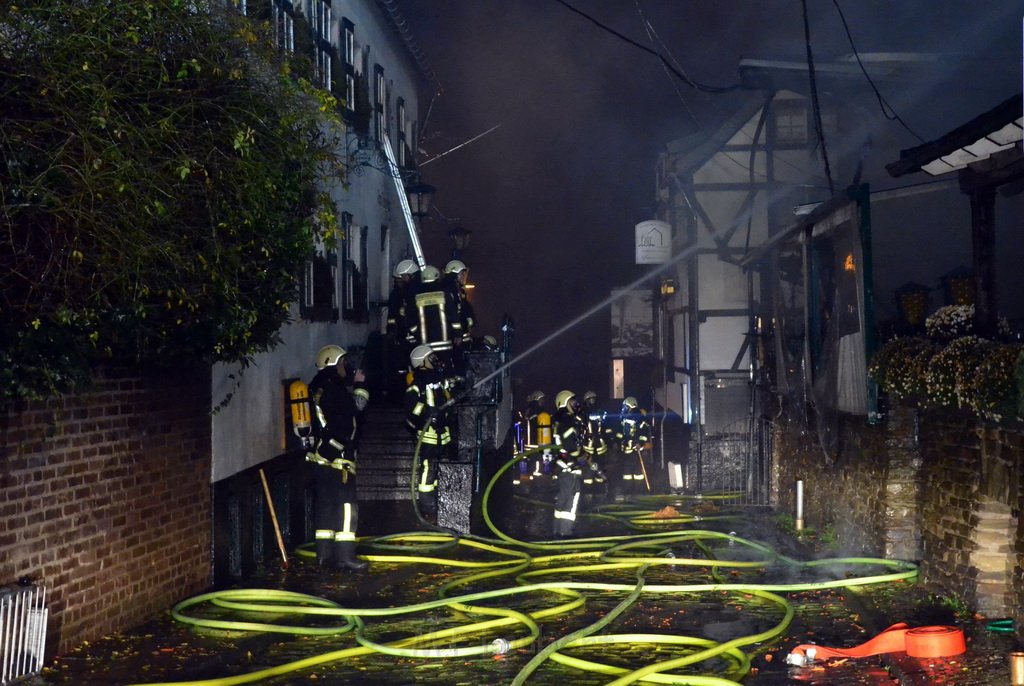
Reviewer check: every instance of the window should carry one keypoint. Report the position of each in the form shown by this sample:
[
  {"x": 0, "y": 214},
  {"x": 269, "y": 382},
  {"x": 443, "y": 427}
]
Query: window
[
  {"x": 380, "y": 99},
  {"x": 348, "y": 31},
  {"x": 319, "y": 290},
  {"x": 790, "y": 122},
  {"x": 355, "y": 297},
  {"x": 283, "y": 22},
  {"x": 322, "y": 39}
]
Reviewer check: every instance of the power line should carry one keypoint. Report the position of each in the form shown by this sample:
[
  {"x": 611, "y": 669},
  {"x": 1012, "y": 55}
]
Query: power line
[
  {"x": 815, "y": 105},
  {"x": 680, "y": 75},
  {"x": 882, "y": 103}
]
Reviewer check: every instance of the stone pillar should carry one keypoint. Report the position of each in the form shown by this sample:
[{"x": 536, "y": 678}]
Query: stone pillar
[
  {"x": 475, "y": 411},
  {"x": 901, "y": 522}
]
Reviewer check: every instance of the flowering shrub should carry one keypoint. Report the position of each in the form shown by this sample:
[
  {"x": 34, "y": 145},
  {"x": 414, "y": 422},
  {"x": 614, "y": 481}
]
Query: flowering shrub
[
  {"x": 971, "y": 373},
  {"x": 899, "y": 367},
  {"x": 951, "y": 321},
  {"x": 991, "y": 390},
  {"x": 949, "y": 369}
]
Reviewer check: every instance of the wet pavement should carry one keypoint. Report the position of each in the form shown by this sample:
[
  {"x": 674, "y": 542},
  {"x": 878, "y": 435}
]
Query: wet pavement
[{"x": 422, "y": 569}]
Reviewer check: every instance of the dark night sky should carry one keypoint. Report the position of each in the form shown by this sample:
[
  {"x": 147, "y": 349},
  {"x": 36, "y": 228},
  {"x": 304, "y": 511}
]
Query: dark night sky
[{"x": 552, "y": 195}]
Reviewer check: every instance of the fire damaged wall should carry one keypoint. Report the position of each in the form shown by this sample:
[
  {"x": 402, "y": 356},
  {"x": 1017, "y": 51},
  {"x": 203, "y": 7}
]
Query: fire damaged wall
[{"x": 104, "y": 499}]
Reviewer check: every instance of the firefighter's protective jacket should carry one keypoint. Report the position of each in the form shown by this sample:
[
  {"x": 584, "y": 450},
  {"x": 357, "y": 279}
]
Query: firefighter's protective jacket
[
  {"x": 336, "y": 412},
  {"x": 634, "y": 431},
  {"x": 424, "y": 402}
]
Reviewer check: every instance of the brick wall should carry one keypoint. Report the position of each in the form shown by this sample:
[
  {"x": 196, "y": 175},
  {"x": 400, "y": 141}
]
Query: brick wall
[{"x": 106, "y": 501}]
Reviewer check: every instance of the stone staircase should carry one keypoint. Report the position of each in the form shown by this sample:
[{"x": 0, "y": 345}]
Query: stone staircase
[{"x": 386, "y": 450}]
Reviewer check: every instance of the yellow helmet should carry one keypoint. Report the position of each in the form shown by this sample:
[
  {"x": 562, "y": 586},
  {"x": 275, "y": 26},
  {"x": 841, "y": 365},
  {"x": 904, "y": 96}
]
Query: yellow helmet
[
  {"x": 563, "y": 398},
  {"x": 630, "y": 403},
  {"x": 329, "y": 356}
]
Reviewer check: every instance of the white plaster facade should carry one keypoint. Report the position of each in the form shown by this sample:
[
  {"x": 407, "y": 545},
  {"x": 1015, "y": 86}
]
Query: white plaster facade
[{"x": 251, "y": 427}]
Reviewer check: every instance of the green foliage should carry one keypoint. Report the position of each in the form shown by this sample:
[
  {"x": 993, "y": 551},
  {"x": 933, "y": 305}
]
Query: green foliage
[{"x": 158, "y": 190}]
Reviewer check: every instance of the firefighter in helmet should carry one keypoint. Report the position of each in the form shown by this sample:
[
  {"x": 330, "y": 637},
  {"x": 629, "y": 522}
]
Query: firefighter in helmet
[
  {"x": 533, "y": 430},
  {"x": 426, "y": 414},
  {"x": 338, "y": 407},
  {"x": 405, "y": 276},
  {"x": 632, "y": 436},
  {"x": 570, "y": 461},
  {"x": 433, "y": 316},
  {"x": 595, "y": 443},
  {"x": 456, "y": 274}
]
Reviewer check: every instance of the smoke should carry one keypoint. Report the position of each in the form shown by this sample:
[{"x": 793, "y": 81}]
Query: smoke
[{"x": 552, "y": 195}]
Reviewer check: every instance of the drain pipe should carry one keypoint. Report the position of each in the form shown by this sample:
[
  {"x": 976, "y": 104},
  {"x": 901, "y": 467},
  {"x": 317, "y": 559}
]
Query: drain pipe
[{"x": 799, "y": 504}]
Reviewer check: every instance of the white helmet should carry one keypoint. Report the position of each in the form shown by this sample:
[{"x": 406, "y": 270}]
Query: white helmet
[
  {"x": 630, "y": 403},
  {"x": 418, "y": 356},
  {"x": 589, "y": 395},
  {"x": 563, "y": 398},
  {"x": 535, "y": 397},
  {"x": 329, "y": 356},
  {"x": 430, "y": 274},
  {"x": 455, "y": 267},
  {"x": 405, "y": 268}
]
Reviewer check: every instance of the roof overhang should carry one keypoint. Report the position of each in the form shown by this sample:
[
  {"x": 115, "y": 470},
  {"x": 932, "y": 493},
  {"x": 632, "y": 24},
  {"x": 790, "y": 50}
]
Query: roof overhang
[{"x": 998, "y": 130}]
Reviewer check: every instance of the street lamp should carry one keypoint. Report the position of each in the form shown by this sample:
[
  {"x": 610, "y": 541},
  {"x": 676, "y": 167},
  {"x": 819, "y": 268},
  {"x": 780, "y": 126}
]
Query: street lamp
[
  {"x": 460, "y": 240},
  {"x": 420, "y": 195}
]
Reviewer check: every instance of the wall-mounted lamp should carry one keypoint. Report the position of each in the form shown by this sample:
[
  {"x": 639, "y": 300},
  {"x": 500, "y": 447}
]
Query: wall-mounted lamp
[
  {"x": 460, "y": 240},
  {"x": 420, "y": 196},
  {"x": 668, "y": 287}
]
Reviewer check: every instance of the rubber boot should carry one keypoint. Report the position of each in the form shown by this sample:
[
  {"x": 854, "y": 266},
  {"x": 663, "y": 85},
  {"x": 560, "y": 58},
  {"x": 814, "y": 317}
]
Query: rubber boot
[
  {"x": 325, "y": 553},
  {"x": 345, "y": 557}
]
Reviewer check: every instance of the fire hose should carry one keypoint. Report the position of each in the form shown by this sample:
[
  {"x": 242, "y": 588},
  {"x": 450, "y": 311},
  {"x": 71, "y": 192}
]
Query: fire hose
[{"x": 922, "y": 641}]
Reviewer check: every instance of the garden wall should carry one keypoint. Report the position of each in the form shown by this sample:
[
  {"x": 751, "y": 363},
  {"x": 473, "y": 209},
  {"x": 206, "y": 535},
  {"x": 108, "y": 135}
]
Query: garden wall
[
  {"x": 940, "y": 488},
  {"x": 105, "y": 500}
]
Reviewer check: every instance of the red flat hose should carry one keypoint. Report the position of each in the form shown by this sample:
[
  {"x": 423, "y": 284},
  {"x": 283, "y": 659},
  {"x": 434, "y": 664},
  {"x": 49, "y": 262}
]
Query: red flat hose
[{"x": 922, "y": 641}]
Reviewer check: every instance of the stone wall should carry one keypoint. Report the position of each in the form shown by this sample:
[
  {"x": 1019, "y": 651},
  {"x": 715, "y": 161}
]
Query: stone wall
[
  {"x": 105, "y": 500},
  {"x": 860, "y": 492},
  {"x": 939, "y": 488},
  {"x": 970, "y": 494}
]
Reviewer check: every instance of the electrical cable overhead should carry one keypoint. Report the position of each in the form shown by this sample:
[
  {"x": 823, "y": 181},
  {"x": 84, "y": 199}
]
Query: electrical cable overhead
[
  {"x": 816, "y": 106},
  {"x": 704, "y": 88},
  {"x": 887, "y": 110},
  {"x": 652, "y": 35}
]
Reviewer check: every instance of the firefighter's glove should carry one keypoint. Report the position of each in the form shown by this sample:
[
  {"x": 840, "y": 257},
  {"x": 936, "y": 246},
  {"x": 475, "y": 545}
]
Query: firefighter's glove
[
  {"x": 599, "y": 476},
  {"x": 347, "y": 466}
]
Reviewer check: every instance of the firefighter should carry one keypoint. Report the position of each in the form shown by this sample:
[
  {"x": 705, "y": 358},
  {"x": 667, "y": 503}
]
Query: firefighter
[
  {"x": 338, "y": 407},
  {"x": 433, "y": 317},
  {"x": 570, "y": 462},
  {"x": 533, "y": 430},
  {"x": 631, "y": 436},
  {"x": 595, "y": 443},
  {"x": 397, "y": 331},
  {"x": 456, "y": 274},
  {"x": 427, "y": 416}
]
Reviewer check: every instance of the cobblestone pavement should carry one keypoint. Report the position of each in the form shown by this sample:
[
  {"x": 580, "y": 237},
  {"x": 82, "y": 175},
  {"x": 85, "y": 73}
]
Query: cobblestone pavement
[{"x": 163, "y": 650}]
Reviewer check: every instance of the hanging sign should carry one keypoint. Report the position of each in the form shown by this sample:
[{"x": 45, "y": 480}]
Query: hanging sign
[{"x": 653, "y": 242}]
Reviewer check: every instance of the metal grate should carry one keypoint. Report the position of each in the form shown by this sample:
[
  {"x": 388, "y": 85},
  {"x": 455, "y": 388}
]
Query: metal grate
[{"x": 23, "y": 615}]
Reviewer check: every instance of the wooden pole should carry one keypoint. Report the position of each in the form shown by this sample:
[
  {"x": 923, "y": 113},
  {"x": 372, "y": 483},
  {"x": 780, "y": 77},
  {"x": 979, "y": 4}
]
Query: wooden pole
[{"x": 273, "y": 518}]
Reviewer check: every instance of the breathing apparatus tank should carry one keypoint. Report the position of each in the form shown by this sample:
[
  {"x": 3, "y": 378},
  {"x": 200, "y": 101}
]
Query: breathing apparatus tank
[{"x": 544, "y": 436}]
